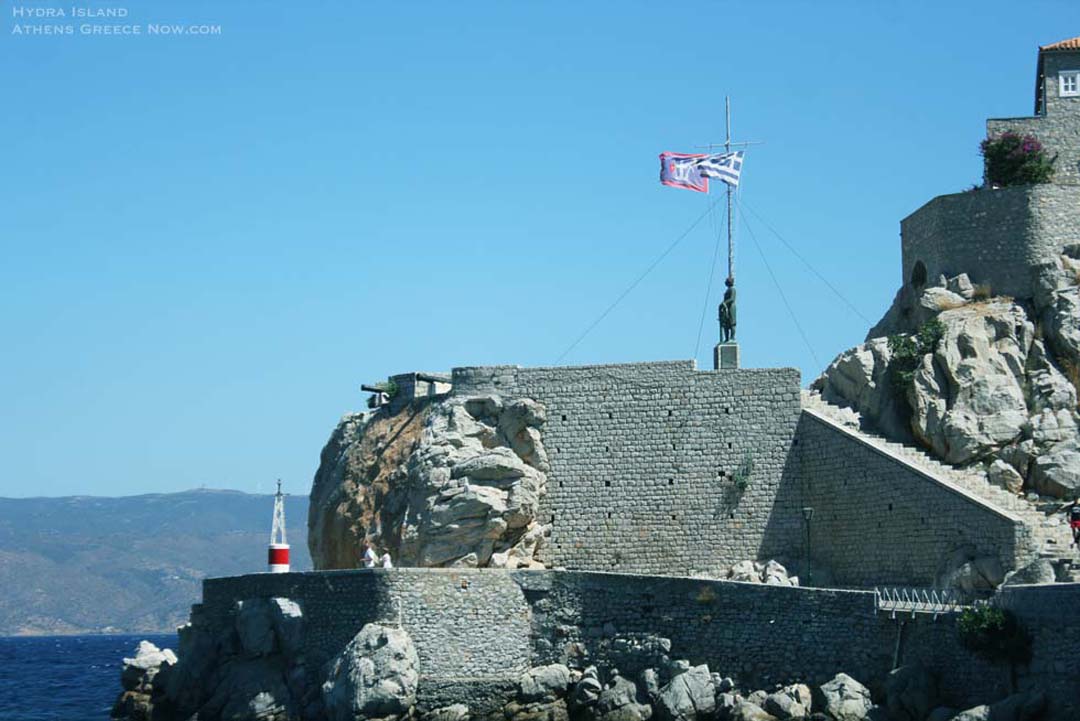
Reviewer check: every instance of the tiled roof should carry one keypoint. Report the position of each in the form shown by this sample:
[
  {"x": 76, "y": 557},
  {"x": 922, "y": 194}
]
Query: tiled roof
[{"x": 1070, "y": 44}]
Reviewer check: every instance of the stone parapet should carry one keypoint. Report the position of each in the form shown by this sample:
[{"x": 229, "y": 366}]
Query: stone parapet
[
  {"x": 998, "y": 237},
  {"x": 476, "y": 631}
]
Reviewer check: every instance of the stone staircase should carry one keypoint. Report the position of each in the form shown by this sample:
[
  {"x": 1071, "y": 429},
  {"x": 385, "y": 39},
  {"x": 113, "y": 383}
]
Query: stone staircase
[{"x": 1051, "y": 534}]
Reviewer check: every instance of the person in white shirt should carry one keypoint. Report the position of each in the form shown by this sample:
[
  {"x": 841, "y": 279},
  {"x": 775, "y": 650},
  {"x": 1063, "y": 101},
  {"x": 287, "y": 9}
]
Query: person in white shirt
[
  {"x": 386, "y": 562},
  {"x": 368, "y": 556}
]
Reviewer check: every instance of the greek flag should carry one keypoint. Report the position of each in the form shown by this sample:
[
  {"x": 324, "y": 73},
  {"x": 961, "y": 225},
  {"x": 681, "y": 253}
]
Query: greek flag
[{"x": 722, "y": 166}]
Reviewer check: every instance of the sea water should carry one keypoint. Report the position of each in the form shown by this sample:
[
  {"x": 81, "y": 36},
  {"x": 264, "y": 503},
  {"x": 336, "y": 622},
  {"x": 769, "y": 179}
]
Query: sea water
[{"x": 64, "y": 678}]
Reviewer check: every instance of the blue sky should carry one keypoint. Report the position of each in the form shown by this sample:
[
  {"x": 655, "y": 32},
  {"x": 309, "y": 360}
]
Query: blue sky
[{"x": 209, "y": 242}]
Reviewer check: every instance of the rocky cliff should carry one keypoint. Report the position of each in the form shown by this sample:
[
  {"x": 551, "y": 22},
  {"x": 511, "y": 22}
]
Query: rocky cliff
[
  {"x": 440, "y": 482},
  {"x": 980, "y": 381}
]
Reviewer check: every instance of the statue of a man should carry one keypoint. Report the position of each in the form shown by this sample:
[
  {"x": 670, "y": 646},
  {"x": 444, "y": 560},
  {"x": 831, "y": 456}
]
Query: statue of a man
[{"x": 727, "y": 312}]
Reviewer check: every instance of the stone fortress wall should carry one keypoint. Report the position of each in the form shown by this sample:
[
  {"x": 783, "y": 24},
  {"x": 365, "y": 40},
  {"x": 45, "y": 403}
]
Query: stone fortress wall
[
  {"x": 880, "y": 520},
  {"x": 998, "y": 237},
  {"x": 477, "y": 630},
  {"x": 645, "y": 459}
]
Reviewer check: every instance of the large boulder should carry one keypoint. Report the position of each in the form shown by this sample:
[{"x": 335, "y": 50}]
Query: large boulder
[
  {"x": 843, "y": 698},
  {"x": 250, "y": 689},
  {"x": 544, "y": 683},
  {"x": 688, "y": 696},
  {"x": 747, "y": 710},
  {"x": 792, "y": 701},
  {"x": 969, "y": 394},
  {"x": 586, "y": 692},
  {"x": 1057, "y": 471},
  {"x": 1038, "y": 571},
  {"x": 911, "y": 692},
  {"x": 621, "y": 701},
  {"x": 965, "y": 570},
  {"x": 859, "y": 379},
  {"x": 449, "y": 482},
  {"x": 255, "y": 627},
  {"x": 138, "y": 672},
  {"x": 374, "y": 676}
]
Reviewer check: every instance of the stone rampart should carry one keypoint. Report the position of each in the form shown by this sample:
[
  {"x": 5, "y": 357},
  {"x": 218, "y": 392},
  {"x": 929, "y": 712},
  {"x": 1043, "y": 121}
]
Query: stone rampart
[
  {"x": 477, "y": 630},
  {"x": 879, "y": 520},
  {"x": 998, "y": 237},
  {"x": 646, "y": 461}
]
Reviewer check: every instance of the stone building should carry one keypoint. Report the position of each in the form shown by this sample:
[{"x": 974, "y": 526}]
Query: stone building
[{"x": 1000, "y": 237}]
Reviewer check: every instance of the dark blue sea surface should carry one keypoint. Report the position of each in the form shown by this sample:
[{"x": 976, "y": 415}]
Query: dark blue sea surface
[{"x": 64, "y": 678}]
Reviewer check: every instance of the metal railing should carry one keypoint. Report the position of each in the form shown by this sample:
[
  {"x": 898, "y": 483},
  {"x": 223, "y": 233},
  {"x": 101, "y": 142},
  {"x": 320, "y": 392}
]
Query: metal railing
[{"x": 931, "y": 601}]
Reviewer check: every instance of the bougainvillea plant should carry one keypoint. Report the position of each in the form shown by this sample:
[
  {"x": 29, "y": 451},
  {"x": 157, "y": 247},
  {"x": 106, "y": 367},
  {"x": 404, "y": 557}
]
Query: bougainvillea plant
[{"x": 1014, "y": 159}]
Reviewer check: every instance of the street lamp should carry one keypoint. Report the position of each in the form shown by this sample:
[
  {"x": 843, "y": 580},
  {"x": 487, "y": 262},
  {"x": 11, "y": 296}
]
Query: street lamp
[{"x": 807, "y": 514}]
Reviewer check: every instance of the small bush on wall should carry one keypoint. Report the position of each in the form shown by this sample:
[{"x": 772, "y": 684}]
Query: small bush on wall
[
  {"x": 1012, "y": 159},
  {"x": 994, "y": 634}
]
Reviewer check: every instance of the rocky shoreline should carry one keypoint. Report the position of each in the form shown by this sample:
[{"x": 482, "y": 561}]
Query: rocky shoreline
[{"x": 256, "y": 672}]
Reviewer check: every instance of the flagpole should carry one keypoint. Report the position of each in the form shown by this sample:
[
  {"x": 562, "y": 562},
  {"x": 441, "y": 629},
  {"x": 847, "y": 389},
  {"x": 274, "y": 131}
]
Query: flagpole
[{"x": 730, "y": 241}]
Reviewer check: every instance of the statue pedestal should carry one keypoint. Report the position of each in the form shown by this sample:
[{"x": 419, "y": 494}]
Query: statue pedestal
[{"x": 726, "y": 356}]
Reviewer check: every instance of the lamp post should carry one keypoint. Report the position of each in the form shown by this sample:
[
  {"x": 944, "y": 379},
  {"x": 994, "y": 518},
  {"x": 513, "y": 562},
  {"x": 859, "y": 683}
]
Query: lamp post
[{"x": 807, "y": 514}]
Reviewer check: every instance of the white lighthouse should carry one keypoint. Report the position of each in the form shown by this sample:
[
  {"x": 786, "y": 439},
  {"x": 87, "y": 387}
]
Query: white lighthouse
[{"x": 279, "y": 547}]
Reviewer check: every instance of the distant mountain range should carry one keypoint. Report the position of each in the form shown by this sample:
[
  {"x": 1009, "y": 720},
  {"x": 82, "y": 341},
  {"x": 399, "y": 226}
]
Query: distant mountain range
[{"x": 133, "y": 564}]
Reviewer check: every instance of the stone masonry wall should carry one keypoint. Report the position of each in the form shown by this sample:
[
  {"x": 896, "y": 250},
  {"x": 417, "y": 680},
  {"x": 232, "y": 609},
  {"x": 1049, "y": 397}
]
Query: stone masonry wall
[
  {"x": 1058, "y": 129},
  {"x": 1052, "y": 614},
  {"x": 997, "y": 237},
  {"x": 880, "y": 521},
  {"x": 644, "y": 458},
  {"x": 477, "y": 630}
]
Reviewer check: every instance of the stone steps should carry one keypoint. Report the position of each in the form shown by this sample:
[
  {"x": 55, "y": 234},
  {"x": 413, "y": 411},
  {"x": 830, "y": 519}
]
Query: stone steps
[{"x": 1051, "y": 534}]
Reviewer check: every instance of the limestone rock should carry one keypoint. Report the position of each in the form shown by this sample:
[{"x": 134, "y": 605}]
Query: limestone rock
[
  {"x": 255, "y": 627},
  {"x": 744, "y": 571},
  {"x": 978, "y": 370},
  {"x": 249, "y": 689},
  {"x": 688, "y": 696},
  {"x": 544, "y": 683},
  {"x": 962, "y": 286},
  {"x": 843, "y": 699},
  {"x": 374, "y": 676},
  {"x": 749, "y": 711},
  {"x": 619, "y": 701},
  {"x": 1038, "y": 571},
  {"x": 792, "y": 701},
  {"x": 858, "y": 379},
  {"x": 1003, "y": 475},
  {"x": 139, "y": 671},
  {"x": 453, "y": 712},
  {"x": 453, "y": 482},
  {"x": 966, "y": 571},
  {"x": 586, "y": 692},
  {"x": 1057, "y": 471},
  {"x": 288, "y": 622},
  {"x": 978, "y": 713},
  {"x": 911, "y": 692}
]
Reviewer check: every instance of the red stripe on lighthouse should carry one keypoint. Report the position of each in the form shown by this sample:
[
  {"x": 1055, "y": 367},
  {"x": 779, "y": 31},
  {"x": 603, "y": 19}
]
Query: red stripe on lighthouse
[{"x": 279, "y": 556}]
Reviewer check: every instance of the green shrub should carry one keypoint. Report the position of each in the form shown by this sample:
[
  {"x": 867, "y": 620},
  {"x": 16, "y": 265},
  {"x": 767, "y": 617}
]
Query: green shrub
[
  {"x": 994, "y": 634},
  {"x": 741, "y": 476},
  {"x": 1012, "y": 159},
  {"x": 907, "y": 352}
]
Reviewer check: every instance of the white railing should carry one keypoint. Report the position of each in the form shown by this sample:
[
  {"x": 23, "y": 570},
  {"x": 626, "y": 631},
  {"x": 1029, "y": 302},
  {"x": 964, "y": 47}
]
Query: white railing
[{"x": 934, "y": 601}]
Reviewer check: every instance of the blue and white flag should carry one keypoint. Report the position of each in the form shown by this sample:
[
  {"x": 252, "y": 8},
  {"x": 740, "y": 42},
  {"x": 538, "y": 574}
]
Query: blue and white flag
[{"x": 722, "y": 166}]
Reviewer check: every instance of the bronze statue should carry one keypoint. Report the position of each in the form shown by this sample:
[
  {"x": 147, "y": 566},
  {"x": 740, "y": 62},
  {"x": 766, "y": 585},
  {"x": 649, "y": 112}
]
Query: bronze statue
[{"x": 727, "y": 312}]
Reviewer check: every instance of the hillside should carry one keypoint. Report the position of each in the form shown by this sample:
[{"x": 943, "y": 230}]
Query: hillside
[{"x": 131, "y": 564}]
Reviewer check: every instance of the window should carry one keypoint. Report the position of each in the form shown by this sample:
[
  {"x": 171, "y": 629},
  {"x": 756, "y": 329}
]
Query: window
[{"x": 1069, "y": 83}]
